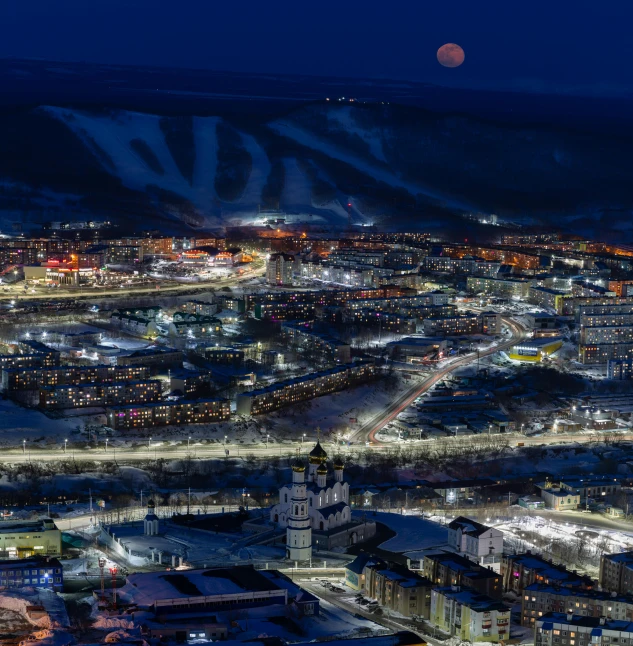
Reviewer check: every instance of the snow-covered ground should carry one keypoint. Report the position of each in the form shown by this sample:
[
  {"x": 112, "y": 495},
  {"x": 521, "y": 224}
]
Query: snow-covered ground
[{"x": 412, "y": 532}]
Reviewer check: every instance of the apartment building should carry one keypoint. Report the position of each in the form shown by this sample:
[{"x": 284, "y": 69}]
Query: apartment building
[
  {"x": 26, "y": 539},
  {"x": 202, "y": 308},
  {"x": 280, "y": 268},
  {"x": 447, "y": 569},
  {"x": 452, "y": 325},
  {"x": 50, "y": 356},
  {"x": 620, "y": 369},
  {"x": 285, "y": 311},
  {"x": 192, "y": 325},
  {"x": 100, "y": 394},
  {"x": 304, "y": 337},
  {"x": 37, "y": 571},
  {"x": 399, "y": 589},
  {"x": 545, "y": 297},
  {"x": 202, "y": 411},
  {"x": 592, "y": 354},
  {"x": 521, "y": 570},
  {"x": 303, "y": 388},
  {"x": 385, "y": 321},
  {"x": 140, "y": 326},
  {"x": 539, "y": 599},
  {"x": 567, "y": 629},
  {"x": 478, "y": 543},
  {"x": 606, "y": 334},
  {"x": 500, "y": 287},
  {"x": 616, "y": 572},
  {"x": 154, "y": 357},
  {"x": 468, "y": 615},
  {"x": 32, "y": 378},
  {"x": 16, "y": 361}
]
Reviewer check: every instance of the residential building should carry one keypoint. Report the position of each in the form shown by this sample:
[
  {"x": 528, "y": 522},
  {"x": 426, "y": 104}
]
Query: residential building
[
  {"x": 202, "y": 411},
  {"x": 194, "y": 325},
  {"x": 32, "y": 378},
  {"x": 279, "y": 269},
  {"x": 452, "y": 325},
  {"x": 144, "y": 327},
  {"x": 501, "y": 287},
  {"x": 491, "y": 322},
  {"x": 620, "y": 369},
  {"x": 305, "y": 338},
  {"x": 616, "y": 573},
  {"x": 36, "y": 571},
  {"x": 470, "y": 616},
  {"x": 308, "y": 386},
  {"x": 520, "y": 570},
  {"x": 447, "y": 569},
  {"x": 202, "y": 308},
  {"x": 539, "y": 599},
  {"x": 154, "y": 357},
  {"x": 399, "y": 589},
  {"x": 19, "y": 539},
  {"x": 100, "y": 394},
  {"x": 567, "y": 629},
  {"x": 481, "y": 544}
]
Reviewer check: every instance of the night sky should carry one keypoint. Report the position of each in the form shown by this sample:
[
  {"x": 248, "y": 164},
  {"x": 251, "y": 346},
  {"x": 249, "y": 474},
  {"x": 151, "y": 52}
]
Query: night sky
[{"x": 559, "y": 45}]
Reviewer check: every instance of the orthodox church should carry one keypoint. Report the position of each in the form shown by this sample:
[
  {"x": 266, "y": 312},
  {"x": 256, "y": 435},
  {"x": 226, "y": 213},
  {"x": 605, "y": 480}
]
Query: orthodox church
[{"x": 315, "y": 509}]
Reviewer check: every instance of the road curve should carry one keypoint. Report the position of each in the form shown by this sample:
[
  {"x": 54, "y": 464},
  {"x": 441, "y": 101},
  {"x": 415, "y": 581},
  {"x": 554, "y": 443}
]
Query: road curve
[{"x": 368, "y": 431}]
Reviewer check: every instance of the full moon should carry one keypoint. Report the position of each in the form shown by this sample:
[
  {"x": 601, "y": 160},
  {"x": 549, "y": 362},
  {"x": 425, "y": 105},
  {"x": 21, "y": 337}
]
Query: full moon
[{"x": 450, "y": 55}]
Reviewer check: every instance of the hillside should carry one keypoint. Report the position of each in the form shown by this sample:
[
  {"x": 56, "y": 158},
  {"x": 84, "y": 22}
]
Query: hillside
[{"x": 397, "y": 165}]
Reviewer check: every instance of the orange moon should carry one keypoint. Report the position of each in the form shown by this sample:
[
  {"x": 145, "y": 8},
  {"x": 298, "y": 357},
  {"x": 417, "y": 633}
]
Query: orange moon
[{"x": 450, "y": 55}]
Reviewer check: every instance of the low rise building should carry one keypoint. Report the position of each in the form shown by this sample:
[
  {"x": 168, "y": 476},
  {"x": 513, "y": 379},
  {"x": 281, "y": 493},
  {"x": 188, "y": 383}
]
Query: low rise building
[
  {"x": 156, "y": 357},
  {"x": 559, "y": 499},
  {"x": 481, "y": 544},
  {"x": 470, "y": 616},
  {"x": 304, "y": 337},
  {"x": 20, "y": 539},
  {"x": 36, "y": 571},
  {"x": 194, "y": 325}
]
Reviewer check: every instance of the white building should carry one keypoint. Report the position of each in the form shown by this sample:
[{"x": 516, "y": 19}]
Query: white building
[
  {"x": 315, "y": 512},
  {"x": 481, "y": 544},
  {"x": 279, "y": 269}
]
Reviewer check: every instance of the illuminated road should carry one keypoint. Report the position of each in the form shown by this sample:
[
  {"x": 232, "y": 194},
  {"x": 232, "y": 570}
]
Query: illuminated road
[
  {"x": 368, "y": 431},
  {"x": 157, "y": 289}
]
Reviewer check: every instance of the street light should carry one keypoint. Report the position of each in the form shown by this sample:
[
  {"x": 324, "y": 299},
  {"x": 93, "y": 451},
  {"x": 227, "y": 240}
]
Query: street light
[
  {"x": 65, "y": 445},
  {"x": 267, "y": 438},
  {"x": 149, "y": 442},
  {"x": 106, "y": 445},
  {"x": 303, "y": 439},
  {"x": 23, "y": 447},
  {"x": 188, "y": 440}
]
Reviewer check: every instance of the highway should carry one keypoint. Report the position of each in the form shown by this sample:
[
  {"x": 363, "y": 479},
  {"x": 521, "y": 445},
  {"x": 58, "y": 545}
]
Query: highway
[{"x": 368, "y": 431}]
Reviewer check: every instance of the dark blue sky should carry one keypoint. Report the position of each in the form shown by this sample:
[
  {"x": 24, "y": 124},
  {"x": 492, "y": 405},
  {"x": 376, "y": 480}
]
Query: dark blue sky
[{"x": 580, "y": 45}]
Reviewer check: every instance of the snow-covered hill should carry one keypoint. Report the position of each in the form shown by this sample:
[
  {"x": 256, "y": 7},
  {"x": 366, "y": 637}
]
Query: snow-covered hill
[{"x": 397, "y": 166}]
